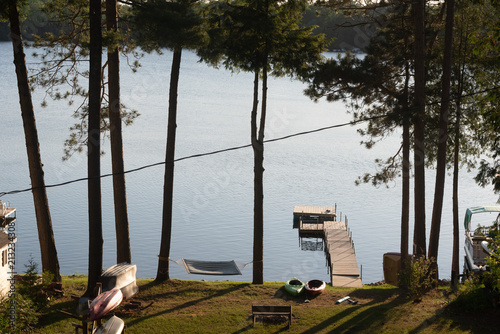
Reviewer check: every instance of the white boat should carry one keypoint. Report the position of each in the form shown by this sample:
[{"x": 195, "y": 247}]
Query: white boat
[
  {"x": 477, "y": 241},
  {"x": 114, "y": 325},
  {"x": 121, "y": 276}
]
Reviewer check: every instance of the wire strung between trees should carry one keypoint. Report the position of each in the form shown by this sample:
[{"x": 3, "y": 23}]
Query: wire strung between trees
[{"x": 199, "y": 155}]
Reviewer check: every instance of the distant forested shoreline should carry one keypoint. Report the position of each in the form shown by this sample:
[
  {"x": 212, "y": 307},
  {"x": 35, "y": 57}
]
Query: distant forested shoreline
[{"x": 347, "y": 32}]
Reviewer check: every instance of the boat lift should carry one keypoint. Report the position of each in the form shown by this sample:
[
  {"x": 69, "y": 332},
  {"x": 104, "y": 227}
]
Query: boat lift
[{"x": 477, "y": 242}]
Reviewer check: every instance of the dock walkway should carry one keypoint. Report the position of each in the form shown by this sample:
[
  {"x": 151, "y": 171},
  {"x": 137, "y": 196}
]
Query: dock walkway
[{"x": 339, "y": 245}]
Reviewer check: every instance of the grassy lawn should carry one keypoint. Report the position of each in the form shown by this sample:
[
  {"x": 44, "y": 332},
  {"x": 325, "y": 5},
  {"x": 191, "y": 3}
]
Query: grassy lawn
[{"x": 225, "y": 307}]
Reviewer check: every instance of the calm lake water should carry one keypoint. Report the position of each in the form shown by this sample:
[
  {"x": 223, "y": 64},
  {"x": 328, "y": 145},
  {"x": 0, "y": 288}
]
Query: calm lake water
[{"x": 213, "y": 205}]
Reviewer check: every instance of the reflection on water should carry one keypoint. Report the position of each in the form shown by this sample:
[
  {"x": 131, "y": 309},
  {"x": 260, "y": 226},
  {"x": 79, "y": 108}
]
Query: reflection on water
[{"x": 311, "y": 244}]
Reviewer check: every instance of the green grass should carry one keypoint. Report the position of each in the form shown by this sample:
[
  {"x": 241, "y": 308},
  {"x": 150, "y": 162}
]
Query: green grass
[{"x": 225, "y": 307}]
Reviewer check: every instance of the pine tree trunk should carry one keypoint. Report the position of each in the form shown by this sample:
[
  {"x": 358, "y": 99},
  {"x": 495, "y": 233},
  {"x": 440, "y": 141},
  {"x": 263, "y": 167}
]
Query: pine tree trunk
[
  {"x": 258, "y": 218},
  {"x": 168, "y": 188},
  {"x": 443, "y": 135},
  {"x": 463, "y": 51},
  {"x": 258, "y": 149},
  {"x": 48, "y": 250},
  {"x": 94, "y": 149},
  {"x": 455, "y": 270},
  {"x": 123, "y": 253},
  {"x": 419, "y": 128},
  {"x": 405, "y": 202}
]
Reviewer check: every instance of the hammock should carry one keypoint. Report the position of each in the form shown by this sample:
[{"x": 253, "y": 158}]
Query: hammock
[{"x": 212, "y": 267}]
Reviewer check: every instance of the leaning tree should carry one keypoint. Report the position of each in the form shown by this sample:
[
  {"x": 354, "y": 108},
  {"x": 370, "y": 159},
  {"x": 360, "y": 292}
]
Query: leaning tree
[
  {"x": 9, "y": 10},
  {"x": 60, "y": 75}
]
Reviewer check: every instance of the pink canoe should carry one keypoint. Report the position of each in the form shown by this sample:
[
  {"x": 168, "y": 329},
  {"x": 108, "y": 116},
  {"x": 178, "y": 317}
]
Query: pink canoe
[{"x": 104, "y": 303}]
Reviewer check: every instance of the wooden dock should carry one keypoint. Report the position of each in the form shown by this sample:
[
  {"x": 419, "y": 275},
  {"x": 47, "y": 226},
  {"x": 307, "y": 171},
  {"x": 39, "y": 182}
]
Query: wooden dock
[
  {"x": 339, "y": 246},
  {"x": 323, "y": 212}
]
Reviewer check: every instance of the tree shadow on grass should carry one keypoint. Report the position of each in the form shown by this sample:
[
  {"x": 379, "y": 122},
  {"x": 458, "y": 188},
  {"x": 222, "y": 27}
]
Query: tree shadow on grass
[
  {"x": 282, "y": 294},
  {"x": 266, "y": 322},
  {"x": 372, "y": 312},
  {"x": 178, "y": 288},
  {"x": 53, "y": 316},
  {"x": 451, "y": 319},
  {"x": 214, "y": 294}
]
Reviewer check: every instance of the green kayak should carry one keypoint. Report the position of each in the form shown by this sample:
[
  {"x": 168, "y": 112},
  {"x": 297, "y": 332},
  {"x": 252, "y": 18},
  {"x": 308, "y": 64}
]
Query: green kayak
[{"x": 294, "y": 286}]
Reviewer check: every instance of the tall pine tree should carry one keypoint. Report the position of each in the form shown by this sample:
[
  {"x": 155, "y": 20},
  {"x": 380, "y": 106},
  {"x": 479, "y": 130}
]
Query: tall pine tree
[{"x": 263, "y": 37}]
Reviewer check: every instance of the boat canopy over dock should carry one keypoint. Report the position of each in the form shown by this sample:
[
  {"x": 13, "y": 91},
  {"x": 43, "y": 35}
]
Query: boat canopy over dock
[{"x": 340, "y": 252}]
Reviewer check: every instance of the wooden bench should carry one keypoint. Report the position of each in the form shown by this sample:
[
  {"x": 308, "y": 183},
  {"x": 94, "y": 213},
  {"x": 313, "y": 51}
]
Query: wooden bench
[{"x": 268, "y": 310}]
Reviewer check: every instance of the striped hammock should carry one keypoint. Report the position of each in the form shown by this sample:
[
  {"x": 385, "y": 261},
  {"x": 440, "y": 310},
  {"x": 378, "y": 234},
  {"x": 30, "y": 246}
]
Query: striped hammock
[{"x": 221, "y": 268}]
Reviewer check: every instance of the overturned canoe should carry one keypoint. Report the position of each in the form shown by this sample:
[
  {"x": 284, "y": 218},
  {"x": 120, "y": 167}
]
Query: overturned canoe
[
  {"x": 294, "y": 286},
  {"x": 314, "y": 287},
  {"x": 121, "y": 276},
  {"x": 104, "y": 303}
]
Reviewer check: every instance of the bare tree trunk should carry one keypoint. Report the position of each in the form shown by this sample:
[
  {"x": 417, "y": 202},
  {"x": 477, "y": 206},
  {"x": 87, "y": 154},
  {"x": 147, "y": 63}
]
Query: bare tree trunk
[
  {"x": 405, "y": 198},
  {"x": 405, "y": 203},
  {"x": 258, "y": 149},
  {"x": 168, "y": 188},
  {"x": 455, "y": 270},
  {"x": 94, "y": 149},
  {"x": 419, "y": 243},
  {"x": 443, "y": 135},
  {"x": 48, "y": 250},
  {"x": 123, "y": 253}
]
